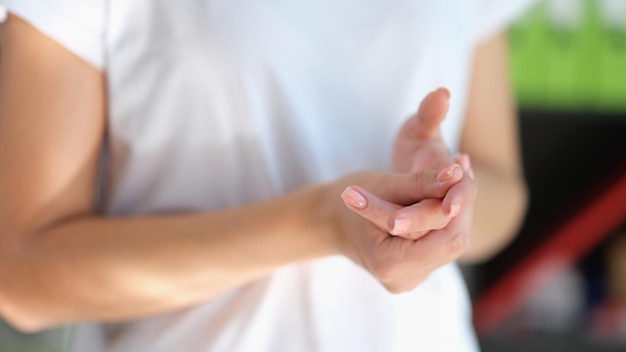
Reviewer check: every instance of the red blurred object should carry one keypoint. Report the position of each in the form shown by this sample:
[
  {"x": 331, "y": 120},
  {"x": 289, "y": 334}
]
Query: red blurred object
[
  {"x": 609, "y": 319},
  {"x": 585, "y": 230}
]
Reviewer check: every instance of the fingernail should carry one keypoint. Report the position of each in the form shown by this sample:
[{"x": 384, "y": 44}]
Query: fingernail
[
  {"x": 448, "y": 173},
  {"x": 401, "y": 225},
  {"x": 455, "y": 209},
  {"x": 354, "y": 198},
  {"x": 445, "y": 91},
  {"x": 457, "y": 172}
]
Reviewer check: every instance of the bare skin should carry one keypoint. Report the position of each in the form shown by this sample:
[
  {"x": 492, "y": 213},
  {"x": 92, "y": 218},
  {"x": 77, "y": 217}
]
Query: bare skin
[
  {"x": 61, "y": 262},
  {"x": 490, "y": 137}
]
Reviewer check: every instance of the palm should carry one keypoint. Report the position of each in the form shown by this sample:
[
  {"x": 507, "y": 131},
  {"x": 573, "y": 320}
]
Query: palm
[
  {"x": 411, "y": 156},
  {"x": 396, "y": 244}
]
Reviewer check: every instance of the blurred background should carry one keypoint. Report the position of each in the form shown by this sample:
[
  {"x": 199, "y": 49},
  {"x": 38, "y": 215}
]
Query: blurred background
[{"x": 562, "y": 284}]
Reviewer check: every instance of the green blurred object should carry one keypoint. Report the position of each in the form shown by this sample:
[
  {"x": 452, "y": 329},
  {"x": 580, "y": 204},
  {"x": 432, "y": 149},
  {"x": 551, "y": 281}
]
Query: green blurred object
[
  {"x": 55, "y": 340},
  {"x": 571, "y": 55}
]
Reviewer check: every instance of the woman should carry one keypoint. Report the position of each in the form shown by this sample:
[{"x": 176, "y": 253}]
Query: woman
[{"x": 215, "y": 175}]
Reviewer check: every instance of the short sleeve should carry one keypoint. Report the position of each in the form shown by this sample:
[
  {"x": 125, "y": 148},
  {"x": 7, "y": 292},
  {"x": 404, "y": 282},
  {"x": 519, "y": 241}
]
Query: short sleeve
[
  {"x": 492, "y": 16},
  {"x": 78, "y": 25}
]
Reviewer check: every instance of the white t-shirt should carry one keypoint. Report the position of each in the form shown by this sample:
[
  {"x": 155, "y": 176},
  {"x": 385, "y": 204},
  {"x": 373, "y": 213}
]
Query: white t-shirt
[{"x": 216, "y": 103}]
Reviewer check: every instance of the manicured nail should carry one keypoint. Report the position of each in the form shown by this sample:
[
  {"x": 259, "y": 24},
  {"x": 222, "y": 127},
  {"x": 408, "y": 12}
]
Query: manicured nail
[
  {"x": 354, "y": 198},
  {"x": 445, "y": 91},
  {"x": 449, "y": 172},
  {"x": 457, "y": 172},
  {"x": 401, "y": 224}
]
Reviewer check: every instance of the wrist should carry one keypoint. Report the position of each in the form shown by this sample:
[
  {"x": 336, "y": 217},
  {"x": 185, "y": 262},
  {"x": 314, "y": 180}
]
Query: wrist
[{"x": 325, "y": 212}]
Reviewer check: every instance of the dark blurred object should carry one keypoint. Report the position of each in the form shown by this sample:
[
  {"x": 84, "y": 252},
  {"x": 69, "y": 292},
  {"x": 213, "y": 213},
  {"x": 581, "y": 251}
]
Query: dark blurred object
[
  {"x": 575, "y": 165},
  {"x": 572, "y": 342},
  {"x": 616, "y": 264},
  {"x": 608, "y": 319},
  {"x": 557, "y": 286},
  {"x": 569, "y": 159}
]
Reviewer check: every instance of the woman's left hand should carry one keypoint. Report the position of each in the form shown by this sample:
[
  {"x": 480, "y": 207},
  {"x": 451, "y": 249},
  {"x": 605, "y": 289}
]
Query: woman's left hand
[{"x": 419, "y": 146}]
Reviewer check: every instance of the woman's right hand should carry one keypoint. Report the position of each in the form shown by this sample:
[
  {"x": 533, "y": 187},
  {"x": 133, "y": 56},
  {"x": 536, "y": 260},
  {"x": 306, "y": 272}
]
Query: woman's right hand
[{"x": 363, "y": 232}]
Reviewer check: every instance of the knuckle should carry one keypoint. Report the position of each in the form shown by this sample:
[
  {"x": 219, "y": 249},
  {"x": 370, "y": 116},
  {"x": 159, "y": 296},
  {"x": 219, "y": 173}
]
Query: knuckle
[{"x": 417, "y": 181}]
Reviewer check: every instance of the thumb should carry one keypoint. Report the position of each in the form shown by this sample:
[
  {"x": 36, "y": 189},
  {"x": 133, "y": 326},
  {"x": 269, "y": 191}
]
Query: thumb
[{"x": 432, "y": 111}]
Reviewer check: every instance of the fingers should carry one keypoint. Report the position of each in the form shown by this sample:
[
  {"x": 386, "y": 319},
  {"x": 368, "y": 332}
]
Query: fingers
[
  {"x": 414, "y": 221},
  {"x": 459, "y": 196},
  {"x": 401, "y": 264},
  {"x": 465, "y": 162},
  {"x": 406, "y": 189},
  {"x": 429, "y": 234},
  {"x": 440, "y": 247},
  {"x": 432, "y": 111},
  {"x": 431, "y": 239},
  {"x": 422, "y": 192},
  {"x": 448, "y": 243},
  {"x": 369, "y": 206}
]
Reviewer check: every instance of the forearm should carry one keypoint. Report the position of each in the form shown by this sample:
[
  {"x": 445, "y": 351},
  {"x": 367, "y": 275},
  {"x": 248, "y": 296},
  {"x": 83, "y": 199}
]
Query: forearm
[
  {"x": 499, "y": 211},
  {"x": 96, "y": 268}
]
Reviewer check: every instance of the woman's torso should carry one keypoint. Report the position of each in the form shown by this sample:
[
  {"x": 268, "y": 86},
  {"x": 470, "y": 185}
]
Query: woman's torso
[{"x": 216, "y": 103}]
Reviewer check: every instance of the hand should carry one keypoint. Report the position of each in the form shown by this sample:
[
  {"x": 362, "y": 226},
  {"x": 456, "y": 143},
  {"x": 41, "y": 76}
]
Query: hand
[
  {"x": 431, "y": 228},
  {"x": 363, "y": 231},
  {"x": 419, "y": 146}
]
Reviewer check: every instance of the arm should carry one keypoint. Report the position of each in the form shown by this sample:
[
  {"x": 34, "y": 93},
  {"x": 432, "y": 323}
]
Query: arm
[
  {"x": 61, "y": 262},
  {"x": 490, "y": 137}
]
